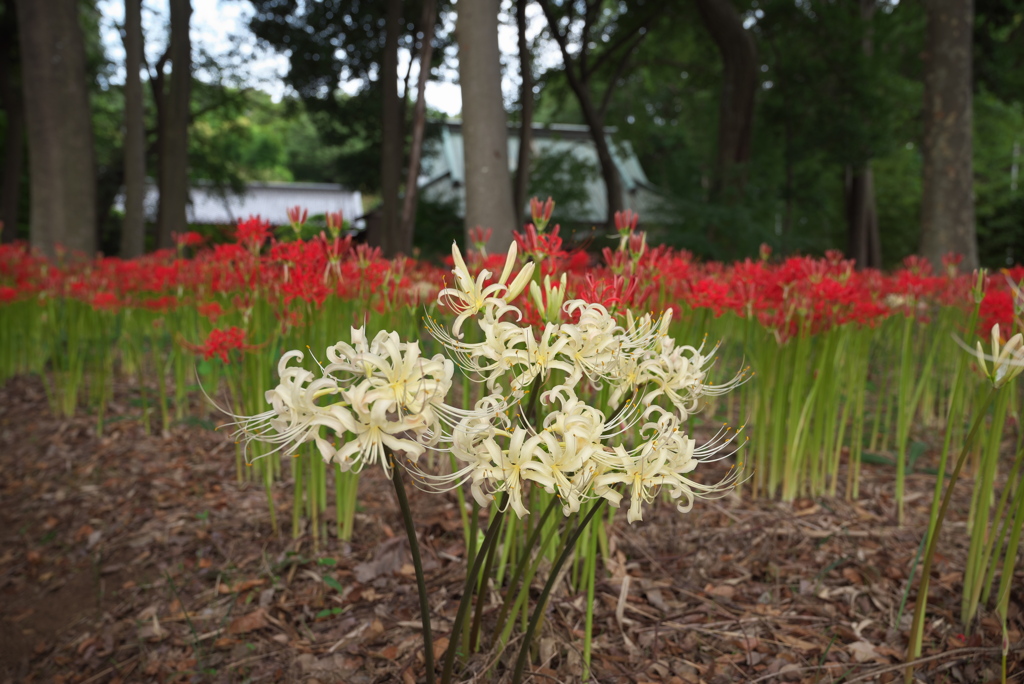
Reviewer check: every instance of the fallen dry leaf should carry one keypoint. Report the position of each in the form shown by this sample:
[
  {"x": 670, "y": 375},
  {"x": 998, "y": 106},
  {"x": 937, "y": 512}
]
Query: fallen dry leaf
[
  {"x": 248, "y": 623},
  {"x": 862, "y": 651}
]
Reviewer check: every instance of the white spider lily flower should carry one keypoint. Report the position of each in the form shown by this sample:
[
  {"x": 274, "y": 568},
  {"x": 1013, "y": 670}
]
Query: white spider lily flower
[
  {"x": 1007, "y": 360},
  {"x": 374, "y": 428},
  {"x": 550, "y": 304},
  {"x": 539, "y": 357},
  {"x": 469, "y": 297},
  {"x": 594, "y": 339},
  {"x": 295, "y": 416},
  {"x": 517, "y": 464},
  {"x": 643, "y": 474}
]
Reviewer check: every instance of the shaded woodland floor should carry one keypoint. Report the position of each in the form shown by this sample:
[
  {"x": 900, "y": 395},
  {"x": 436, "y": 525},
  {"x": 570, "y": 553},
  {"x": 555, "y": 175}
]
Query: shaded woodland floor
[{"x": 136, "y": 557}]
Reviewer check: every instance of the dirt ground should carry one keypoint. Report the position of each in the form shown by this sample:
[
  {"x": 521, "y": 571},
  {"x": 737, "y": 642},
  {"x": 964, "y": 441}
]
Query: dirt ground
[{"x": 136, "y": 557}]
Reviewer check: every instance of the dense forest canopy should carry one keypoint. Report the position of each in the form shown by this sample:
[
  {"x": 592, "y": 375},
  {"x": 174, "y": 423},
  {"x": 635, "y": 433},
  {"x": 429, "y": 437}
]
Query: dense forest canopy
[{"x": 811, "y": 135}]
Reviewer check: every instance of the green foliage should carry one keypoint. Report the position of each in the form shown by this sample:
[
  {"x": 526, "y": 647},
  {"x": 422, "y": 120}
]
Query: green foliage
[
  {"x": 438, "y": 224},
  {"x": 563, "y": 177},
  {"x": 999, "y": 207}
]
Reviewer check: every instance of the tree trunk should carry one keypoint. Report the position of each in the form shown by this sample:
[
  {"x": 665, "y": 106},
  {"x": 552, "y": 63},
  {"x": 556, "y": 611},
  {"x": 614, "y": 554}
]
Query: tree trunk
[
  {"x": 14, "y": 137},
  {"x": 609, "y": 172},
  {"x": 593, "y": 115},
  {"x": 526, "y": 102},
  {"x": 863, "y": 241},
  {"x": 419, "y": 121},
  {"x": 484, "y": 125},
  {"x": 133, "y": 231},
  {"x": 174, "y": 183},
  {"x": 736, "y": 100},
  {"x": 947, "y": 201},
  {"x": 62, "y": 168},
  {"x": 387, "y": 234}
]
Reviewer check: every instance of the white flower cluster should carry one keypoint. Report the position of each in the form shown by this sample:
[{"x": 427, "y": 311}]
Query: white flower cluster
[{"x": 383, "y": 394}]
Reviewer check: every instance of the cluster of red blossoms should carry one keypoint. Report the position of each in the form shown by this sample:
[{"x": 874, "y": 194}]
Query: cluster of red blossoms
[{"x": 795, "y": 295}]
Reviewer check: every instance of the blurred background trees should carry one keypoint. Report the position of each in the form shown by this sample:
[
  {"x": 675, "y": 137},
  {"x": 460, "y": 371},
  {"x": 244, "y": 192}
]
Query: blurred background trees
[{"x": 807, "y": 125}]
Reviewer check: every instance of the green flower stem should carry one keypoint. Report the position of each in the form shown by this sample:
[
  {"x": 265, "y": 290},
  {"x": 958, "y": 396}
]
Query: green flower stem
[
  {"x": 414, "y": 547},
  {"x": 917, "y": 628},
  {"x": 297, "y": 476},
  {"x": 493, "y": 529},
  {"x": 997, "y": 540},
  {"x": 521, "y": 566},
  {"x": 481, "y": 598},
  {"x": 590, "y": 577},
  {"x": 538, "y": 611},
  {"x": 519, "y": 607},
  {"x": 984, "y": 483}
]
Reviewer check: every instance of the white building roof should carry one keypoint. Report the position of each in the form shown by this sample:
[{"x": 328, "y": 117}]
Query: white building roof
[
  {"x": 445, "y": 161},
  {"x": 268, "y": 200}
]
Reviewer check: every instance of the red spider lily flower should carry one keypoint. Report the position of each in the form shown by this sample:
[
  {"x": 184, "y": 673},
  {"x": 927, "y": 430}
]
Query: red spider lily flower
[
  {"x": 335, "y": 221},
  {"x": 105, "y": 301},
  {"x": 637, "y": 244},
  {"x": 211, "y": 310},
  {"x": 546, "y": 249},
  {"x": 252, "y": 233},
  {"x": 189, "y": 239},
  {"x": 480, "y": 237},
  {"x": 765, "y": 251},
  {"x": 541, "y": 212},
  {"x": 625, "y": 221},
  {"x": 613, "y": 293},
  {"x": 297, "y": 216},
  {"x": 220, "y": 342},
  {"x": 951, "y": 264}
]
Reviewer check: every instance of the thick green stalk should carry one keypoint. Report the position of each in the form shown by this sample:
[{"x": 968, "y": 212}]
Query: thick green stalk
[
  {"x": 538, "y": 611},
  {"x": 917, "y": 628},
  {"x": 521, "y": 566},
  {"x": 493, "y": 528},
  {"x": 996, "y": 540},
  {"x": 481, "y": 598},
  {"x": 590, "y": 574},
  {"x": 981, "y": 503},
  {"x": 414, "y": 547}
]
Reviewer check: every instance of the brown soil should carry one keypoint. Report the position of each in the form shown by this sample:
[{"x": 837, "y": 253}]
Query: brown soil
[{"x": 136, "y": 557}]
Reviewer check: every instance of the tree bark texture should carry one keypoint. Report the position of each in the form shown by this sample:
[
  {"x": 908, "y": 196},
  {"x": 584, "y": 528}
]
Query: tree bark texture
[
  {"x": 14, "y": 138},
  {"x": 594, "y": 115},
  {"x": 388, "y": 236},
  {"x": 419, "y": 121},
  {"x": 484, "y": 124},
  {"x": 174, "y": 125},
  {"x": 736, "y": 100},
  {"x": 526, "y": 103},
  {"x": 62, "y": 168},
  {"x": 947, "y": 202},
  {"x": 863, "y": 241},
  {"x": 133, "y": 231}
]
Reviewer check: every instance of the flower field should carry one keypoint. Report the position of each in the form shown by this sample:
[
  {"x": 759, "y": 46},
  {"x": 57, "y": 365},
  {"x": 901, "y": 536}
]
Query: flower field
[{"x": 803, "y": 408}]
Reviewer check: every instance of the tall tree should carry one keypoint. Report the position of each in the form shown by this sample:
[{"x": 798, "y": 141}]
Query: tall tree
[
  {"x": 736, "y": 97},
  {"x": 133, "y": 230},
  {"x": 526, "y": 106},
  {"x": 947, "y": 203},
  {"x": 337, "y": 41},
  {"x": 419, "y": 122},
  {"x": 389, "y": 238},
  {"x": 864, "y": 243},
  {"x": 484, "y": 124},
  {"x": 14, "y": 110},
  {"x": 174, "y": 122},
  {"x": 60, "y": 138},
  {"x": 579, "y": 27}
]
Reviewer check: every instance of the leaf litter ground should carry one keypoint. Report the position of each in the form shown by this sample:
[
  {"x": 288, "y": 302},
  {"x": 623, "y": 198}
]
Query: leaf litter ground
[{"x": 136, "y": 557}]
